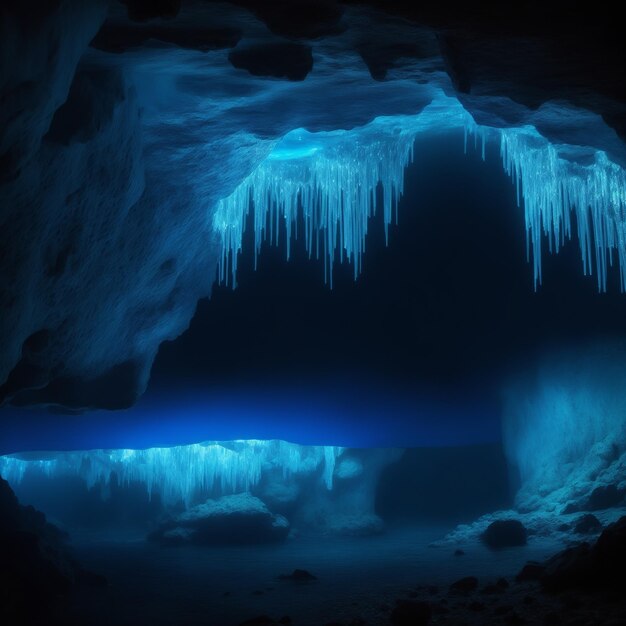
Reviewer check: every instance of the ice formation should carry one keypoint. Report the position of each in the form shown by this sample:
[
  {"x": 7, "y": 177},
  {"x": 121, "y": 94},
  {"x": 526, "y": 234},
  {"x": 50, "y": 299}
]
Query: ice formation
[
  {"x": 331, "y": 180},
  {"x": 553, "y": 188},
  {"x": 181, "y": 472},
  {"x": 565, "y": 427}
]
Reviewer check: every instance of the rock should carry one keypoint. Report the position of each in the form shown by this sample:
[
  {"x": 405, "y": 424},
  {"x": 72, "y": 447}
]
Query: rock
[
  {"x": 459, "y": 552},
  {"x": 177, "y": 535},
  {"x": 37, "y": 570},
  {"x": 531, "y": 572},
  {"x": 605, "y": 497},
  {"x": 586, "y": 524},
  {"x": 236, "y": 519},
  {"x": 410, "y": 613},
  {"x": 504, "y": 534},
  {"x": 476, "y": 606},
  {"x": 568, "y": 569},
  {"x": 602, "y": 497},
  {"x": 465, "y": 585},
  {"x": 298, "y": 575}
]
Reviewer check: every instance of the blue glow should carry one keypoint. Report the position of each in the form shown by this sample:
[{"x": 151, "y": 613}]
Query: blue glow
[
  {"x": 565, "y": 426},
  {"x": 298, "y": 144},
  {"x": 331, "y": 179},
  {"x": 180, "y": 472},
  {"x": 348, "y": 416}
]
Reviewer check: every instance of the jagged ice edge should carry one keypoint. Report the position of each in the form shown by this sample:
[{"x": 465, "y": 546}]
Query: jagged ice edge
[
  {"x": 332, "y": 179},
  {"x": 181, "y": 472}
]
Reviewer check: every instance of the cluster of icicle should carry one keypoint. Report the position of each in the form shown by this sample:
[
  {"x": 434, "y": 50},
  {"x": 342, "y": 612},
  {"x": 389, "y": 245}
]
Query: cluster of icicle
[
  {"x": 181, "y": 472},
  {"x": 333, "y": 189},
  {"x": 553, "y": 188},
  {"x": 332, "y": 184}
]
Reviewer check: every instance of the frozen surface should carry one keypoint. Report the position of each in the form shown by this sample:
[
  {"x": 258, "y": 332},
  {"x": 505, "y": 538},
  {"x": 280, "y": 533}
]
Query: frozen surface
[{"x": 181, "y": 472}]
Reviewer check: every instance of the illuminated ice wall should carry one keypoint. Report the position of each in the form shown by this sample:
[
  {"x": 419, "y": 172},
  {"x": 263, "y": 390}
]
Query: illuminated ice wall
[
  {"x": 565, "y": 429},
  {"x": 181, "y": 472},
  {"x": 332, "y": 180}
]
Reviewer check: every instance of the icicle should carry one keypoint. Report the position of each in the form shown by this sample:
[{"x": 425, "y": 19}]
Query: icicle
[
  {"x": 331, "y": 180},
  {"x": 181, "y": 472},
  {"x": 553, "y": 187},
  {"x": 332, "y": 187}
]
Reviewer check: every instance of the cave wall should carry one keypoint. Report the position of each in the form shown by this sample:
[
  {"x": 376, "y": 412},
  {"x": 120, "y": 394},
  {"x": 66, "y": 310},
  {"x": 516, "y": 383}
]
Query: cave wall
[{"x": 123, "y": 124}]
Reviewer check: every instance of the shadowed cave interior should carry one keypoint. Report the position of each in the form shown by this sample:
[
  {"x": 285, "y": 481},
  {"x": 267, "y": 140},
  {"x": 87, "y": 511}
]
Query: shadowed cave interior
[{"x": 312, "y": 313}]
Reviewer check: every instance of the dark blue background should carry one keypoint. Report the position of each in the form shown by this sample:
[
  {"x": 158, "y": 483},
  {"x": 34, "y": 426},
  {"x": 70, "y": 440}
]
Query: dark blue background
[{"x": 415, "y": 352}]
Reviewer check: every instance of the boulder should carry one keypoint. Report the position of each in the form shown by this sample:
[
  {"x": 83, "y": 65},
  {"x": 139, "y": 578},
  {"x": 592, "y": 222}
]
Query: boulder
[
  {"x": 504, "y": 534},
  {"x": 586, "y": 524},
  {"x": 465, "y": 585},
  {"x": 298, "y": 575},
  {"x": 605, "y": 497},
  {"x": 590, "y": 567},
  {"x": 568, "y": 569},
  {"x": 235, "y": 519}
]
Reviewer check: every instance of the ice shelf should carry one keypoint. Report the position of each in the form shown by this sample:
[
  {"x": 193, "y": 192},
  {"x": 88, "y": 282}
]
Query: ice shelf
[
  {"x": 181, "y": 472},
  {"x": 335, "y": 181}
]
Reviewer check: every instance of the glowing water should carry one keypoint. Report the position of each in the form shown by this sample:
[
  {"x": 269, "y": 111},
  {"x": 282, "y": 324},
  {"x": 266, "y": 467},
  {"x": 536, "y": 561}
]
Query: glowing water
[
  {"x": 331, "y": 180},
  {"x": 181, "y": 472}
]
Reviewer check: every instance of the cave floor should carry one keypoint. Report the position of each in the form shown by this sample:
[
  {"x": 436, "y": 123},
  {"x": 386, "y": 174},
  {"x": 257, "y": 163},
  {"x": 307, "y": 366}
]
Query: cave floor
[{"x": 358, "y": 579}]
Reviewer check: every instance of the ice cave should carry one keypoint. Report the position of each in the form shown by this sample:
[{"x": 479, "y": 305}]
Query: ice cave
[{"x": 313, "y": 312}]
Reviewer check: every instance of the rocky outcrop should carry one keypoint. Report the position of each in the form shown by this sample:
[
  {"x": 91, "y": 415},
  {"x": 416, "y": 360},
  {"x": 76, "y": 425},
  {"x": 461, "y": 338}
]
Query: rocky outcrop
[
  {"x": 585, "y": 566},
  {"x": 37, "y": 570},
  {"x": 504, "y": 534},
  {"x": 236, "y": 519}
]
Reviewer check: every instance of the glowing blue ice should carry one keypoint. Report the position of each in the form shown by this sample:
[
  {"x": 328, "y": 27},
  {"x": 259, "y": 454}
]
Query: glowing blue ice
[
  {"x": 553, "y": 188},
  {"x": 181, "y": 472},
  {"x": 330, "y": 179},
  {"x": 565, "y": 426}
]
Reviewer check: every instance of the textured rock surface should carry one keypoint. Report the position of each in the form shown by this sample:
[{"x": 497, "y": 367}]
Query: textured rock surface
[
  {"x": 37, "y": 570},
  {"x": 589, "y": 567},
  {"x": 239, "y": 518}
]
